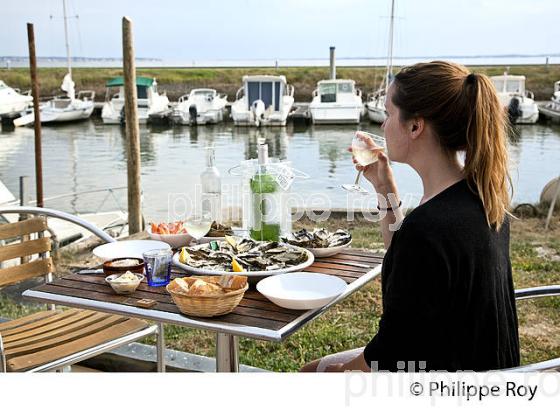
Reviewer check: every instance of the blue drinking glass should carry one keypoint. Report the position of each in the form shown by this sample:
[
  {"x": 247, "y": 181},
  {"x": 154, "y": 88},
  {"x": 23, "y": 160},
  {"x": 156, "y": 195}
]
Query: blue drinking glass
[{"x": 157, "y": 264}]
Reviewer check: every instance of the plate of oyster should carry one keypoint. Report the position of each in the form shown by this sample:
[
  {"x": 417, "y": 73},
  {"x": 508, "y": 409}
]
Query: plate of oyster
[
  {"x": 320, "y": 242},
  {"x": 236, "y": 254}
]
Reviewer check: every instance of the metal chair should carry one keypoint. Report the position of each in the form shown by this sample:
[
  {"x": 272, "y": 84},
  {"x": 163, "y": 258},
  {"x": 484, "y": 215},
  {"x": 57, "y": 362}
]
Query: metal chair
[
  {"x": 52, "y": 340},
  {"x": 530, "y": 293}
]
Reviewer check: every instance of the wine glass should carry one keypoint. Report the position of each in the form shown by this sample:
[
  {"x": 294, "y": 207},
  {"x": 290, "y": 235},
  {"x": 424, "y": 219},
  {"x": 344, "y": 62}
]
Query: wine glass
[
  {"x": 198, "y": 225},
  {"x": 365, "y": 156}
]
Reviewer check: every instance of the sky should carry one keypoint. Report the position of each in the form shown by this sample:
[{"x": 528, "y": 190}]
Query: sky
[{"x": 268, "y": 29}]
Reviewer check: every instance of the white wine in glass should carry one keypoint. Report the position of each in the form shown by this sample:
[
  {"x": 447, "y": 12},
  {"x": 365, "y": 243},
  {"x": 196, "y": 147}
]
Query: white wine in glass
[
  {"x": 198, "y": 225},
  {"x": 364, "y": 155}
]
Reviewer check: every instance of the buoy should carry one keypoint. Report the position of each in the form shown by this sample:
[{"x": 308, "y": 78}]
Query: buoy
[{"x": 549, "y": 191}]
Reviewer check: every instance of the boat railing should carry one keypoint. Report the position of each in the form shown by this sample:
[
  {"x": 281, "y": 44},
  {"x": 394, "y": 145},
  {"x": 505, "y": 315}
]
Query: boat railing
[
  {"x": 109, "y": 193},
  {"x": 239, "y": 93},
  {"x": 290, "y": 90}
]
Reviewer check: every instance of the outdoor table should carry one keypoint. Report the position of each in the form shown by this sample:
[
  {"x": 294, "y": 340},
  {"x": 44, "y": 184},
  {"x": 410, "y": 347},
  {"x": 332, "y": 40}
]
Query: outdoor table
[{"x": 255, "y": 317}]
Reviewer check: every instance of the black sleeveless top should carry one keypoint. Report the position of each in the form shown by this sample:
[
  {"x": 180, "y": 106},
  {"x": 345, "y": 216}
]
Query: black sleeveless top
[{"x": 448, "y": 297}]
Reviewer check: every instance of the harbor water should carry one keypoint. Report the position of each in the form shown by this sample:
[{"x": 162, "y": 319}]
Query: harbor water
[{"x": 88, "y": 155}]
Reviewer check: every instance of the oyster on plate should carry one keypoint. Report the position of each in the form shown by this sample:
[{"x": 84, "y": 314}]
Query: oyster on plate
[
  {"x": 319, "y": 238},
  {"x": 246, "y": 253}
]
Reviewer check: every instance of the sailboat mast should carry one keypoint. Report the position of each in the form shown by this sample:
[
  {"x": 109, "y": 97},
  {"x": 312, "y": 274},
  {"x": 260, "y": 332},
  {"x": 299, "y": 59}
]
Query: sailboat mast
[
  {"x": 390, "y": 48},
  {"x": 66, "y": 38}
]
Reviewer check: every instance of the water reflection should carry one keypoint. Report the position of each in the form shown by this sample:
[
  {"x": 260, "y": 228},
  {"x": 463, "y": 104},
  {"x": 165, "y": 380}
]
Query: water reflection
[{"x": 90, "y": 155}]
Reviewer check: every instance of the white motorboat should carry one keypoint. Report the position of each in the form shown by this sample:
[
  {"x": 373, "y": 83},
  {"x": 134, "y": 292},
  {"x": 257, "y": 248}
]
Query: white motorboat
[
  {"x": 375, "y": 105},
  {"x": 11, "y": 101},
  {"x": 149, "y": 100},
  {"x": 336, "y": 102},
  {"x": 200, "y": 106},
  {"x": 519, "y": 102},
  {"x": 263, "y": 100},
  {"x": 551, "y": 109}
]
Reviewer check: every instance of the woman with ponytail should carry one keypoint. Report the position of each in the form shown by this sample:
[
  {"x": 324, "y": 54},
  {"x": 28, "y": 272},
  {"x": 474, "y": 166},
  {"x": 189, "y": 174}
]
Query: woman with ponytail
[{"x": 448, "y": 297}]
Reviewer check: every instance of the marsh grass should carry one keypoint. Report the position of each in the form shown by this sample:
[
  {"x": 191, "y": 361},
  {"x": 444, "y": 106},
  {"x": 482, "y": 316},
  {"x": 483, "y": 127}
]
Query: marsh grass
[{"x": 178, "y": 81}]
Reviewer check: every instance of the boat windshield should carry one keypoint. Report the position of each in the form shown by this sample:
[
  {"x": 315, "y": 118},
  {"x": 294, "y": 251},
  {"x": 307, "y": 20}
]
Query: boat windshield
[
  {"x": 142, "y": 92},
  {"x": 204, "y": 93},
  {"x": 514, "y": 86},
  {"x": 3, "y": 85},
  {"x": 327, "y": 91},
  {"x": 345, "y": 88}
]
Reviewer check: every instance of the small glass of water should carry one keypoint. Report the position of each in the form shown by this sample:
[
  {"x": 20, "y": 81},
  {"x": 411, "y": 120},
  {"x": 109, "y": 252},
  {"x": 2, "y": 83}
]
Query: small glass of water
[{"x": 157, "y": 263}]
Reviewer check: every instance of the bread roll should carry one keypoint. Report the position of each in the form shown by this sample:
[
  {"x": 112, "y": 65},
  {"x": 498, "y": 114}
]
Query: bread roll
[
  {"x": 232, "y": 282},
  {"x": 181, "y": 286},
  {"x": 201, "y": 288}
]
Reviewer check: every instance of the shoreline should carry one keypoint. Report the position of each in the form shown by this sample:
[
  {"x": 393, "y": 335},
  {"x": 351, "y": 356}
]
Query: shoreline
[{"x": 176, "y": 81}]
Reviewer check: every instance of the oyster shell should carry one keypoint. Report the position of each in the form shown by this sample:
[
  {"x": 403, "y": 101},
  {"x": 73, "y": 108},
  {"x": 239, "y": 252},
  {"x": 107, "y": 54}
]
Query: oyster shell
[
  {"x": 319, "y": 238},
  {"x": 250, "y": 254}
]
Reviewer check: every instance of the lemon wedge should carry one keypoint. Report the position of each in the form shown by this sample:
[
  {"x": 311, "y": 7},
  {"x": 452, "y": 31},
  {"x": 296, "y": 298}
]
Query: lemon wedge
[
  {"x": 236, "y": 266},
  {"x": 184, "y": 256}
]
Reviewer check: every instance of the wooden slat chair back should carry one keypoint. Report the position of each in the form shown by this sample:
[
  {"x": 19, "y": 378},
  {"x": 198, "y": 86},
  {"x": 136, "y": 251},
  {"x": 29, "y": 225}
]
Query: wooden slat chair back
[
  {"x": 39, "y": 244},
  {"x": 43, "y": 339}
]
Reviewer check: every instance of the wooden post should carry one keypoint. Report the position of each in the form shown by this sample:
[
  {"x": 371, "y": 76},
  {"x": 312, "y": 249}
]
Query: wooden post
[
  {"x": 132, "y": 130},
  {"x": 37, "y": 114}
]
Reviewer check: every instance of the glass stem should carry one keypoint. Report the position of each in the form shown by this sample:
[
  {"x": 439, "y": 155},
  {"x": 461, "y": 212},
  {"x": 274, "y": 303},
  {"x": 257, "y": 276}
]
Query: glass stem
[{"x": 356, "y": 182}]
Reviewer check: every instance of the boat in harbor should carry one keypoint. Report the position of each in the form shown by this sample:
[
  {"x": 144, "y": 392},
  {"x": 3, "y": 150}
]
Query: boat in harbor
[
  {"x": 263, "y": 100},
  {"x": 336, "y": 101},
  {"x": 519, "y": 102},
  {"x": 375, "y": 104},
  {"x": 551, "y": 109},
  {"x": 68, "y": 107},
  {"x": 150, "y": 101},
  {"x": 12, "y": 102},
  {"x": 200, "y": 106}
]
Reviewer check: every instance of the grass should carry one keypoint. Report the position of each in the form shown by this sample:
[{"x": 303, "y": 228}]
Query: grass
[
  {"x": 535, "y": 257},
  {"x": 178, "y": 81}
]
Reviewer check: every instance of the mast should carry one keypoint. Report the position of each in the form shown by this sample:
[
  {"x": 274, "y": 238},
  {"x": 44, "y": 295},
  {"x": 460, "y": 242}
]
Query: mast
[
  {"x": 66, "y": 38},
  {"x": 390, "y": 48}
]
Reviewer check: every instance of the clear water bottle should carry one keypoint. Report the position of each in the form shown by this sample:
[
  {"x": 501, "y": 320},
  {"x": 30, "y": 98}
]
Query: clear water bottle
[{"x": 211, "y": 188}]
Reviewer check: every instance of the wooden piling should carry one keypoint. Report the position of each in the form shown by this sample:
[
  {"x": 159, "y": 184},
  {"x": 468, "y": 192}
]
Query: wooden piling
[
  {"x": 37, "y": 115},
  {"x": 132, "y": 130}
]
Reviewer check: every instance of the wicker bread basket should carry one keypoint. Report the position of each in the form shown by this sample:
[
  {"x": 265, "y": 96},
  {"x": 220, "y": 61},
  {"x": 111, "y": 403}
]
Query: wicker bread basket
[{"x": 207, "y": 305}]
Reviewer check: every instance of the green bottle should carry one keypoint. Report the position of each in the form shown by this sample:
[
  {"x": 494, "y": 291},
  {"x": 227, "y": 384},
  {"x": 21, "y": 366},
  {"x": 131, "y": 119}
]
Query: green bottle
[{"x": 266, "y": 200}]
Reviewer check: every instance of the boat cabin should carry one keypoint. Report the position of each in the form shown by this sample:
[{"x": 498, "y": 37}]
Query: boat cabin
[
  {"x": 267, "y": 88},
  {"x": 331, "y": 91},
  {"x": 146, "y": 87},
  {"x": 509, "y": 84}
]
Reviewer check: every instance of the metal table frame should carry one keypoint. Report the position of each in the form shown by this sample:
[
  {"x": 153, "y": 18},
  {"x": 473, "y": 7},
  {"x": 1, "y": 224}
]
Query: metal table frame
[{"x": 227, "y": 343}]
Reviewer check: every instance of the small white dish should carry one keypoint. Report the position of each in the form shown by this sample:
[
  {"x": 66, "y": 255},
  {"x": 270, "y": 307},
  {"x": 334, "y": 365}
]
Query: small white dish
[
  {"x": 127, "y": 249},
  {"x": 124, "y": 288},
  {"x": 301, "y": 290},
  {"x": 174, "y": 240},
  {"x": 326, "y": 252}
]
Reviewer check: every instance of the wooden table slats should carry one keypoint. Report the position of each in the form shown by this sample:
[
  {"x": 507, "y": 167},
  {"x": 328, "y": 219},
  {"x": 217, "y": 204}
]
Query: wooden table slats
[{"x": 254, "y": 310}]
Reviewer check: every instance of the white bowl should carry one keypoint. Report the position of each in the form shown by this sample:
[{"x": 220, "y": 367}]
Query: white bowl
[
  {"x": 326, "y": 252},
  {"x": 301, "y": 290},
  {"x": 175, "y": 240},
  {"x": 124, "y": 288},
  {"x": 127, "y": 249}
]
